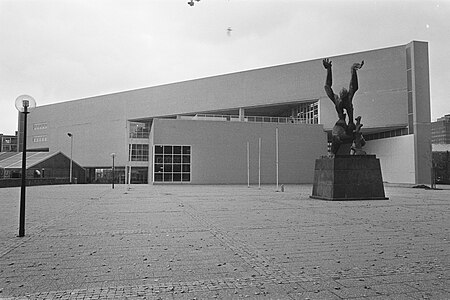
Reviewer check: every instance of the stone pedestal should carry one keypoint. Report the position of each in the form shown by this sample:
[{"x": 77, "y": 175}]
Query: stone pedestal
[{"x": 348, "y": 177}]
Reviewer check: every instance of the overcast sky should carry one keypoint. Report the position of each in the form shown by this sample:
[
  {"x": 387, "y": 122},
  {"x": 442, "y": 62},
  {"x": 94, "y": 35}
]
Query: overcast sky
[{"x": 59, "y": 50}]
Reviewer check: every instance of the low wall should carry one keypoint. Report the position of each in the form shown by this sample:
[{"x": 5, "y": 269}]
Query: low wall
[
  {"x": 396, "y": 156},
  {"x": 15, "y": 182},
  {"x": 219, "y": 150}
]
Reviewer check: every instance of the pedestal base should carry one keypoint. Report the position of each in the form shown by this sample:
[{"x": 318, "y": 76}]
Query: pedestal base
[{"x": 348, "y": 177}]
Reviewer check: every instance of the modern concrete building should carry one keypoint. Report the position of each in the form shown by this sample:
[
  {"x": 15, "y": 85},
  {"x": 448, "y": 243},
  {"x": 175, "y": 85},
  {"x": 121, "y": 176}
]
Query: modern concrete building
[
  {"x": 440, "y": 130},
  {"x": 264, "y": 125}
]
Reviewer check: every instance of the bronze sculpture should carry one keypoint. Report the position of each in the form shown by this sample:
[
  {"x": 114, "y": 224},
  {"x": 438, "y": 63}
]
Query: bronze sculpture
[
  {"x": 344, "y": 132},
  {"x": 347, "y": 173}
]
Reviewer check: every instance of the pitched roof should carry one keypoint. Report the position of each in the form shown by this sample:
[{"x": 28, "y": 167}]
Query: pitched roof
[
  {"x": 5, "y": 155},
  {"x": 33, "y": 158}
]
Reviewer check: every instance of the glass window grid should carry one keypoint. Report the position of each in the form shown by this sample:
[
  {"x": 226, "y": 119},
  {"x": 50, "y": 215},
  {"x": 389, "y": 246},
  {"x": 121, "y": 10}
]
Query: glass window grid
[
  {"x": 139, "y": 130},
  {"x": 39, "y": 138},
  {"x": 172, "y": 163},
  {"x": 139, "y": 152},
  {"x": 39, "y": 126},
  {"x": 309, "y": 112},
  {"x": 10, "y": 140}
]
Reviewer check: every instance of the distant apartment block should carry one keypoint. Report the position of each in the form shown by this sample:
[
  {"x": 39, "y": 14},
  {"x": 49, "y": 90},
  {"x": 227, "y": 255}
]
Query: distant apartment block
[
  {"x": 8, "y": 143},
  {"x": 440, "y": 130}
]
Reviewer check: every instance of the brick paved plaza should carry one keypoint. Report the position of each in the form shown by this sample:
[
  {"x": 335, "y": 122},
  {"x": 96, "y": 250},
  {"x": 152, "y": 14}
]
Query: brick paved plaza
[{"x": 225, "y": 242}]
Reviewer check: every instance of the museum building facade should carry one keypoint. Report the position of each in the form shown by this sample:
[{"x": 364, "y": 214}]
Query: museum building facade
[{"x": 260, "y": 126}]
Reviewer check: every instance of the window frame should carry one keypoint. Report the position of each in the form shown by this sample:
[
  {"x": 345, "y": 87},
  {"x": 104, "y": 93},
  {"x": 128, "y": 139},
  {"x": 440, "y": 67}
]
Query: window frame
[{"x": 172, "y": 163}]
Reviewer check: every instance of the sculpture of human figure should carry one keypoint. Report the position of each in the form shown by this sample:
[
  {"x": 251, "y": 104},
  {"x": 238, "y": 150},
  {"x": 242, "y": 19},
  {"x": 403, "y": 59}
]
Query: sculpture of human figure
[
  {"x": 345, "y": 97},
  {"x": 342, "y": 132}
]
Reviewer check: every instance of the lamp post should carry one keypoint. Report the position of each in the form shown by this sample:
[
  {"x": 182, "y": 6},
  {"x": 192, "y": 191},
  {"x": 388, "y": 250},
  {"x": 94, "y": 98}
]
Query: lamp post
[
  {"x": 113, "y": 155},
  {"x": 24, "y": 105},
  {"x": 71, "y": 160}
]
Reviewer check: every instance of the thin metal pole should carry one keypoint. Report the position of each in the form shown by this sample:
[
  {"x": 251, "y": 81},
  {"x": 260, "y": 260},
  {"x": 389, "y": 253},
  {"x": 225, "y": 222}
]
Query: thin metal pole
[
  {"x": 126, "y": 151},
  {"x": 259, "y": 163},
  {"x": 129, "y": 162},
  {"x": 433, "y": 176},
  {"x": 71, "y": 158},
  {"x": 276, "y": 150},
  {"x": 24, "y": 175},
  {"x": 248, "y": 164},
  {"x": 113, "y": 172}
]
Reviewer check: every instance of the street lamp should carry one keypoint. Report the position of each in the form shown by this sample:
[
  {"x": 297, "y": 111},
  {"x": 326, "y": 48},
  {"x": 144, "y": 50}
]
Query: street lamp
[
  {"x": 71, "y": 160},
  {"x": 24, "y": 105},
  {"x": 113, "y": 155}
]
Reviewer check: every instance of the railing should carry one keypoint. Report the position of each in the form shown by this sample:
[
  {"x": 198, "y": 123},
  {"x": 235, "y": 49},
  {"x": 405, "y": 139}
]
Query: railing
[
  {"x": 144, "y": 134},
  {"x": 257, "y": 119},
  {"x": 140, "y": 135}
]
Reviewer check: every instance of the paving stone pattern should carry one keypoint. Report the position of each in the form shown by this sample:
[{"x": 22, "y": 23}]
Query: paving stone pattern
[{"x": 223, "y": 242}]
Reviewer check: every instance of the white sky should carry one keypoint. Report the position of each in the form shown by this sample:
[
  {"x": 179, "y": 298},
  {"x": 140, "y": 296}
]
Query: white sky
[{"x": 59, "y": 50}]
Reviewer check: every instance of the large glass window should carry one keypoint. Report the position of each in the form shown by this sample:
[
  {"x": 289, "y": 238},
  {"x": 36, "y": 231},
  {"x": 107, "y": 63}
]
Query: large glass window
[
  {"x": 308, "y": 112},
  {"x": 172, "y": 163},
  {"x": 139, "y": 152},
  {"x": 139, "y": 130}
]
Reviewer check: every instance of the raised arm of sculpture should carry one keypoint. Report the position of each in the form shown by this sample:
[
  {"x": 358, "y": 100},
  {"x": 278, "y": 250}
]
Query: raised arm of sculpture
[
  {"x": 329, "y": 81},
  {"x": 354, "y": 79}
]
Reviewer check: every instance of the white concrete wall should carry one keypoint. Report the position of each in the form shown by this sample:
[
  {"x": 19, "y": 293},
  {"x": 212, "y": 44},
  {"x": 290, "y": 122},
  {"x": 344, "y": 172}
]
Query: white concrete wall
[
  {"x": 219, "y": 149},
  {"x": 396, "y": 156},
  {"x": 98, "y": 128},
  {"x": 421, "y": 111}
]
